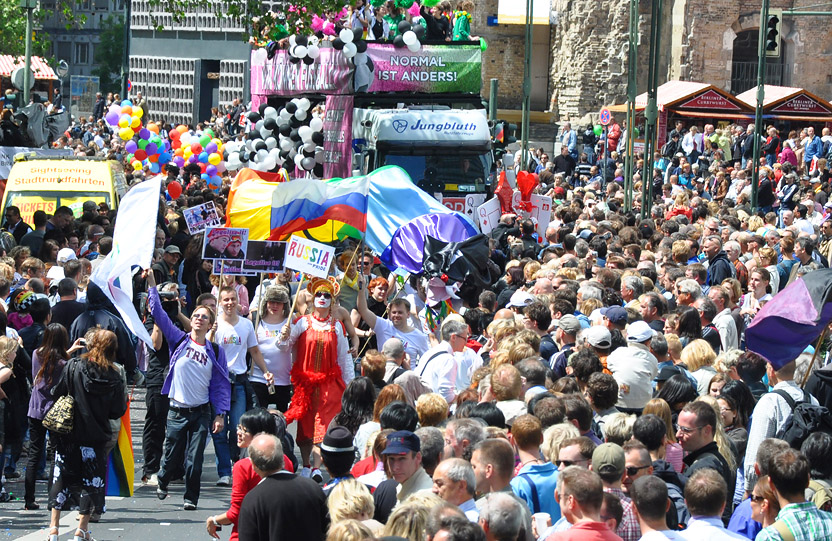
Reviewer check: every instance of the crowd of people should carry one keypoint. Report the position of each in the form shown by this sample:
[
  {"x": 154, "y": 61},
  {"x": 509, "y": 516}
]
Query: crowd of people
[{"x": 598, "y": 388}]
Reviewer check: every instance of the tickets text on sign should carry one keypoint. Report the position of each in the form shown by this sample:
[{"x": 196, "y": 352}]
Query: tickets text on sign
[{"x": 28, "y": 205}]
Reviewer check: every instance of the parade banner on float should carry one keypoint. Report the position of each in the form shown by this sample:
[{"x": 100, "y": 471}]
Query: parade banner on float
[
  {"x": 309, "y": 257},
  {"x": 433, "y": 69},
  {"x": 338, "y": 137},
  {"x": 382, "y": 68}
]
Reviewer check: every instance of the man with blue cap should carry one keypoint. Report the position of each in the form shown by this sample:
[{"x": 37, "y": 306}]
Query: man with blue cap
[{"x": 404, "y": 461}]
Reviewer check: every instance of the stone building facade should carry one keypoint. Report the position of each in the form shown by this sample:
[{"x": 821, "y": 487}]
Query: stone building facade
[{"x": 712, "y": 42}]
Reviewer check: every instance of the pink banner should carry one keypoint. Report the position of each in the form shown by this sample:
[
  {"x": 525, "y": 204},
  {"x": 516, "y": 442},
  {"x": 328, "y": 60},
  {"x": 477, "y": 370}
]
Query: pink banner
[
  {"x": 329, "y": 74},
  {"x": 338, "y": 137}
]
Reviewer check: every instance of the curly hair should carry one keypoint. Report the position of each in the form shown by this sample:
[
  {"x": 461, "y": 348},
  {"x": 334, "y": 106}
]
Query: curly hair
[{"x": 101, "y": 347}]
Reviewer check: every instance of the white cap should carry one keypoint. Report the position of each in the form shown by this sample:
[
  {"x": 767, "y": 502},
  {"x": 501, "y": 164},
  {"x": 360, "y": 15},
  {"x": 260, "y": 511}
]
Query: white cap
[{"x": 66, "y": 254}]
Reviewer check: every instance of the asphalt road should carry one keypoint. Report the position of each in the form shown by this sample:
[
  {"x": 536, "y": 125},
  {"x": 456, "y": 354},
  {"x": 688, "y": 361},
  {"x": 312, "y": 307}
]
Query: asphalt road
[{"x": 140, "y": 517}]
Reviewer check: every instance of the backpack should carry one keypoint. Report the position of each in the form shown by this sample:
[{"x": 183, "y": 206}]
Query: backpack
[
  {"x": 805, "y": 419},
  {"x": 819, "y": 492}
]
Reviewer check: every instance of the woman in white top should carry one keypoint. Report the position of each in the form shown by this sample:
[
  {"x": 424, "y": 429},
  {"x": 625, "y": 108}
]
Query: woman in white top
[
  {"x": 415, "y": 340},
  {"x": 274, "y": 311},
  {"x": 758, "y": 293}
]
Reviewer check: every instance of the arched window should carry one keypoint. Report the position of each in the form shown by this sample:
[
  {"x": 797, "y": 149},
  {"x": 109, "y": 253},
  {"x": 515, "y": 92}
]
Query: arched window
[{"x": 744, "y": 63}]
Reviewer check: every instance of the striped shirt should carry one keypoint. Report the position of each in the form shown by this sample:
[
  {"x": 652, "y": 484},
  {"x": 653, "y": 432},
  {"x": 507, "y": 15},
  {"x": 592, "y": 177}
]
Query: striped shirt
[{"x": 805, "y": 521}]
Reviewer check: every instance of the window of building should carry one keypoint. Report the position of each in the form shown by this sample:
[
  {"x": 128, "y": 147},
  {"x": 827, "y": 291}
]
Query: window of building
[
  {"x": 744, "y": 64},
  {"x": 82, "y": 53},
  {"x": 63, "y": 51}
]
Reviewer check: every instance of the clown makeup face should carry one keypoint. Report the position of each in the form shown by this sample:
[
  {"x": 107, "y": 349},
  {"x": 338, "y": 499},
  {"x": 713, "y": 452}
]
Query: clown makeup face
[{"x": 323, "y": 299}]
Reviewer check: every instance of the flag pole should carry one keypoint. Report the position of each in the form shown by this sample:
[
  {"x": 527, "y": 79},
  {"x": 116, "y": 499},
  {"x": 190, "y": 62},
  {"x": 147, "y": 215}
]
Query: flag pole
[
  {"x": 295, "y": 300},
  {"x": 262, "y": 294},
  {"x": 814, "y": 356}
]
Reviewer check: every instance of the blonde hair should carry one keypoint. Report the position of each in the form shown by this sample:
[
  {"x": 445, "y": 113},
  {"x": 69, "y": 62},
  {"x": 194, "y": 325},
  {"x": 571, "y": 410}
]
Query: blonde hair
[
  {"x": 349, "y": 500},
  {"x": 674, "y": 345},
  {"x": 553, "y": 438},
  {"x": 432, "y": 409},
  {"x": 409, "y": 519},
  {"x": 720, "y": 437},
  {"x": 569, "y": 272},
  {"x": 349, "y": 530},
  {"x": 661, "y": 409},
  {"x": 619, "y": 428},
  {"x": 7, "y": 347},
  {"x": 698, "y": 354}
]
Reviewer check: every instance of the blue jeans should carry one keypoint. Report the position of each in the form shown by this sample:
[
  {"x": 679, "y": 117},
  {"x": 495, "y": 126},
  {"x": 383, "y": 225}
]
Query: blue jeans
[
  {"x": 225, "y": 442},
  {"x": 187, "y": 432}
]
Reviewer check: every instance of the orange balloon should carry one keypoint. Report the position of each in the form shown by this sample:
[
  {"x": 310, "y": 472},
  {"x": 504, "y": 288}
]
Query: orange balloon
[
  {"x": 153, "y": 158},
  {"x": 181, "y": 128},
  {"x": 153, "y": 127},
  {"x": 178, "y": 152},
  {"x": 127, "y": 110}
]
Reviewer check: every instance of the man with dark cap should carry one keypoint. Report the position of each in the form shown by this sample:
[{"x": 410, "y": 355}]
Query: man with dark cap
[
  {"x": 165, "y": 270},
  {"x": 404, "y": 460},
  {"x": 337, "y": 454}
]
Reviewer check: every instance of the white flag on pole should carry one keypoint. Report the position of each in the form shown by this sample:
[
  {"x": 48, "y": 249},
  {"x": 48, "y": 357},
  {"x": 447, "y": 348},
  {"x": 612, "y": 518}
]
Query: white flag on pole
[{"x": 133, "y": 243}]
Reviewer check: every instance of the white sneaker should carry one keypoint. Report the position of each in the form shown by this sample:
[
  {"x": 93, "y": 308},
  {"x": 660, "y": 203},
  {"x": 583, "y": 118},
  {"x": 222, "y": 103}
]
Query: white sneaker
[
  {"x": 224, "y": 481},
  {"x": 306, "y": 471},
  {"x": 152, "y": 481}
]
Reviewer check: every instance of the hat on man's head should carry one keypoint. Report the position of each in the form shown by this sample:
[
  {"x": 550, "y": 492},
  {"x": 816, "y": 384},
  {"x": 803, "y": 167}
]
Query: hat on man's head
[
  {"x": 569, "y": 324},
  {"x": 608, "y": 458},
  {"x": 639, "y": 331},
  {"x": 598, "y": 336},
  {"x": 173, "y": 249},
  {"x": 402, "y": 442},
  {"x": 668, "y": 372},
  {"x": 276, "y": 294},
  {"x": 520, "y": 299},
  {"x": 90, "y": 206},
  {"x": 66, "y": 254},
  {"x": 338, "y": 439},
  {"x": 616, "y": 314}
]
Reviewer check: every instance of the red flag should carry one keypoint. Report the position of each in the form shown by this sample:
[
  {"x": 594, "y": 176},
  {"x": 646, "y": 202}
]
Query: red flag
[{"x": 504, "y": 193}]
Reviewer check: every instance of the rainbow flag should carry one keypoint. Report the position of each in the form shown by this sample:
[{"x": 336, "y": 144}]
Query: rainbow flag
[
  {"x": 308, "y": 203},
  {"x": 120, "y": 464}
]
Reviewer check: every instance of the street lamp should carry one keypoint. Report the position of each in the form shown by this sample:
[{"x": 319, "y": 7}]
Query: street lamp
[{"x": 29, "y": 6}]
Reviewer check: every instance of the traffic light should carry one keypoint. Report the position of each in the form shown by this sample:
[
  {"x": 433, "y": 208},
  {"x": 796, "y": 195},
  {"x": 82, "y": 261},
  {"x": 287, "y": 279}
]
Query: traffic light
[
  {"x": 503, "y": 135},
  {"x": 772, "y": 32}
]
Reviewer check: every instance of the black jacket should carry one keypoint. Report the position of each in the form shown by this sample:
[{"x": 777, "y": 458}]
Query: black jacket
[
  {"x": 675, "y": 483},
  {"x": 709, "y": 457},
  {"x": 98, "y": 109},
  {"x": 101, "y": 312},
  {"x": 99, "y": 396},
  {"x": 284, "y": 506},
  {"x": 820, "y": 386},
  {"x": 720, "y": 268}
]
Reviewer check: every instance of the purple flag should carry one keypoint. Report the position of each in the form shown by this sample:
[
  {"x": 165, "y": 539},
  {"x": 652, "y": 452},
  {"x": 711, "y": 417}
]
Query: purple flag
[{"x": 406, "y": 248}]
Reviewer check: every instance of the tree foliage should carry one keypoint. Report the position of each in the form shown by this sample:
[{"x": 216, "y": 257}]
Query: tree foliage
[
  {"x": 13, "y": 30},
  {"x": 257, "y": 20},
  {"x": 109, "y": 54}
]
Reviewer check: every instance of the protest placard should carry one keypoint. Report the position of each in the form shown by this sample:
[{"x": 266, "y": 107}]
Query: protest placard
[
  {"x": 231, "y": 267},
  {"x": 225, "y": 243},
  {"x": 488, "y": 215},
  {"x": 265, "y": 256},
  {"x": 201, "y": 217},
  {"x": 308, "y": 256}
]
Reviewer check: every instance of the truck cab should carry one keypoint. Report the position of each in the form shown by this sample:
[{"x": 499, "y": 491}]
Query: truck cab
[{"x": 444, "y": 150}]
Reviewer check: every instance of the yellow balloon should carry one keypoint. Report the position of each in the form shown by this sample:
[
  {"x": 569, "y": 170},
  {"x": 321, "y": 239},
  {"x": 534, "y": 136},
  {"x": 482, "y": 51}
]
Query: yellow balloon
[
  {"x": 135, "y": 122},
  {"x": 138, "y": 112},
  {"x": 187, "y": 153},
  {"x": 123, "y": 122},
  {"x": 214, "y": 159},
  {"x": 137, "y": 165},
  {"x": 126, "y": 133}
]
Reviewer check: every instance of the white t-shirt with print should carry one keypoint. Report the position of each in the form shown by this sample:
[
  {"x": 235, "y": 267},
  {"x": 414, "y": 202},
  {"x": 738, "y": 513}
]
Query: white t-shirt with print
[
  {"x": 236, "y": 340},
  {"x": 278, "y": 361},
  {"x": 415, "y": 342},
  {"x": 191, "y": 377}
]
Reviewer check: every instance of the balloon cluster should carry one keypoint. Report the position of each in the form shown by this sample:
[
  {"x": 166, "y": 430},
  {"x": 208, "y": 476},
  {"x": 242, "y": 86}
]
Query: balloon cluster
[
  {"x": 205, "y": 151},
  {"x": 303, "y": 49},
  {"x": 410, "y": 36},
  {"x": 350, "y": 42},
  {"x": 126, "y": 118},
  {"x": 290, "y": 137},
  {"x": 149, "y": 150}
]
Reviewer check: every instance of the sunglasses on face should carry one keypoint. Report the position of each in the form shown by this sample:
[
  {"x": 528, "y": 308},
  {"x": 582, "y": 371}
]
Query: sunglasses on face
[
  {"x": 324, "y": 295},
  {"x": 632, "y": 470},
  {"x": 567, "y": 463},
  {"x": 201, "y": 316}
]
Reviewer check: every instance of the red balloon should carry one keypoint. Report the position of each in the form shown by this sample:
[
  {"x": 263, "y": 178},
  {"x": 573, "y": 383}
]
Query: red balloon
[
  {"x": 176, "y": 143},
  {"x": 174, "y": 135},
  {"x": 175, "y": 189},
  {"x": 202, "y": 167},
  {"x": 140, "y": 155},
  {"x": 196, "y": 148}
]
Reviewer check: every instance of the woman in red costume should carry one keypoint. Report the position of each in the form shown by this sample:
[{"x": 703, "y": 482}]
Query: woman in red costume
[{"x": 321, "y": 371}]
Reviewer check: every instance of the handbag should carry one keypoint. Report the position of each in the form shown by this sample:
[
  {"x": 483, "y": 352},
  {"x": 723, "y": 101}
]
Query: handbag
[{"x": 61, "y": 416}]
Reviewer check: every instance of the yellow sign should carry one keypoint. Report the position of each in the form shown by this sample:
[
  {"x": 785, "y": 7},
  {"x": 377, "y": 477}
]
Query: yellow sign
[
  {"x": 28, "y": 204},
  {"x": 59, "y": 175}
]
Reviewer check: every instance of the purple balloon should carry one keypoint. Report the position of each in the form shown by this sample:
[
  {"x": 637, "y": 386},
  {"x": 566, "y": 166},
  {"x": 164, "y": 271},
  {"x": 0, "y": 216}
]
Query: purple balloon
[
  {"x": 211, "y": 148},
  {"x": 144, "y": 133},
  {"x": 179, "y": 161},
  {"x": 151, "y": 149},
  {"x": 112, "y": 118},
  {"x": 211, "y": 170},
  {"x": 131, "y": 147}
]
